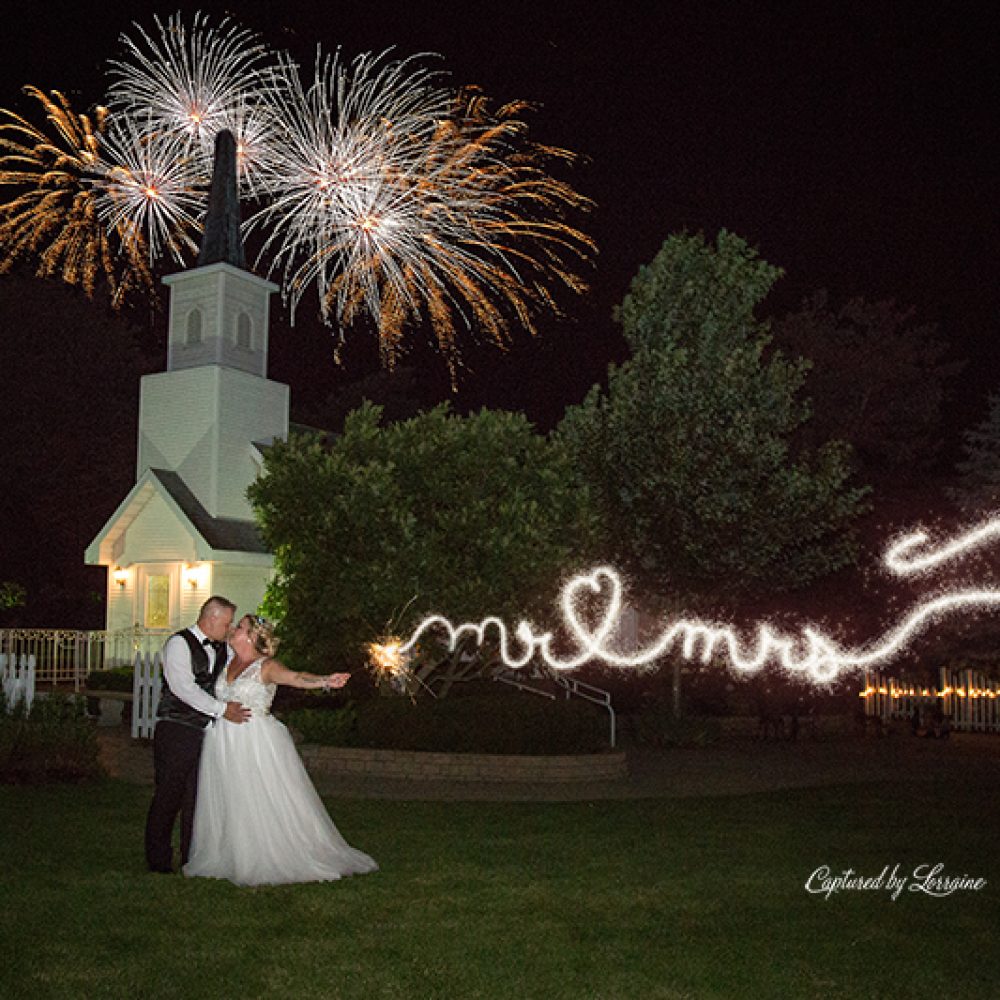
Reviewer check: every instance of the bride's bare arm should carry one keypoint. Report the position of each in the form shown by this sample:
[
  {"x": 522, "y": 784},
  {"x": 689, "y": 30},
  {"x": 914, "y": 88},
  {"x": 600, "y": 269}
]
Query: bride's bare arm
[{"x": 275, "y": 672}]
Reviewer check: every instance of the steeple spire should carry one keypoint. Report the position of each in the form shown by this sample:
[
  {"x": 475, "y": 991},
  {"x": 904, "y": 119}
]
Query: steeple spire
[{"x": 221, "y": 241}]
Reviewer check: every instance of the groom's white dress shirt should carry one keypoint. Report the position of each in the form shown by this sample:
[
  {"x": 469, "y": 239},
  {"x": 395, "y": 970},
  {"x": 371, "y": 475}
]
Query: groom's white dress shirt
[{"x": 180, "y": 678}]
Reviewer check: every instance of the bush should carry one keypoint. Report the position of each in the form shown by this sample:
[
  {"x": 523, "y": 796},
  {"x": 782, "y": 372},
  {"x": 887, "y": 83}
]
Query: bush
[
  {"x": 328, "y": 726},
  {"x": 514, "y": 724},
  {"x": 656, "y": 726},
  {"x": 118, "y": 679},
  {"x": 468, "y": 723},
  {"x": 472, "y": 514},
  {"x": 53, "y": 741}
]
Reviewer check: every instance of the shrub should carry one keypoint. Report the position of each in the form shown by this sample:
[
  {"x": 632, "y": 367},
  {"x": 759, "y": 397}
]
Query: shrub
[
  {"x": 329, "y": 726},
  {"x": 118, "y": 679},
  {"x": 514, "y": 724},
  {"x": 656, "y": 726},
  {"x": 472, "y": 514},
  {"x": 53, "y": 741},
  {"x": 468, "y": 723}
]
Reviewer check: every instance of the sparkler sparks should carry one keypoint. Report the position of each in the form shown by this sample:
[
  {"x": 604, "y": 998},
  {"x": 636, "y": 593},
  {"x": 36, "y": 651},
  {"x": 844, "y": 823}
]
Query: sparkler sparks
[
  {"x": 811, "y": 654},
  {"x": 387, "y": 660}
]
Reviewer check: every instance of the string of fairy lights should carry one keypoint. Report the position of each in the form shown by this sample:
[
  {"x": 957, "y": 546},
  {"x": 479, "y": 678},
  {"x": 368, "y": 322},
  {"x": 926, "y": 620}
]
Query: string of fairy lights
[{"x": 895, "y": 691}]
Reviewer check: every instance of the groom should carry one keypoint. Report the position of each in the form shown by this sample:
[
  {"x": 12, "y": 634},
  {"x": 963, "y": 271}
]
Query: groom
[{"x": 192, "y": 660}]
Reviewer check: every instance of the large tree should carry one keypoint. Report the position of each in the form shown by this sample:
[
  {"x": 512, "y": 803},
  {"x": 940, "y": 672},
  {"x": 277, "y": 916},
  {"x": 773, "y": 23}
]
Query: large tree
[
  {"x": 878, "y": 380},
  {"x": 978, "y": 486},
  {"x": 689, "y": 451},
  {"x": 465, "y": 516}
]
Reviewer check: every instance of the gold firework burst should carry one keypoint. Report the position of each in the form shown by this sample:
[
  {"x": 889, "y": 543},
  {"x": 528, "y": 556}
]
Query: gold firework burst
[
  {"x": 475, "y": 235},
  {"x": 52, "y": 214}
]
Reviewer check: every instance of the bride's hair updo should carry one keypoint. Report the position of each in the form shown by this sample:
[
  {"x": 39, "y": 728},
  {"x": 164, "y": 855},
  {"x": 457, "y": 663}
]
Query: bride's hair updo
[{"x": 262, "y": 635}]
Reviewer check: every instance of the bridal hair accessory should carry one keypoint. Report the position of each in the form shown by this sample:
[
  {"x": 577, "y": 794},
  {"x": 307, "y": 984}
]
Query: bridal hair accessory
[{"x": 262, "y": 634}]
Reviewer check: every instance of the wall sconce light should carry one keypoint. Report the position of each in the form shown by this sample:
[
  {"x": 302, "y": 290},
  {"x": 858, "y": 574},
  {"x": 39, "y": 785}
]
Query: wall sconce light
[
  {"x": 193, "y": 576},
  {"x": 120, "y": 576}
]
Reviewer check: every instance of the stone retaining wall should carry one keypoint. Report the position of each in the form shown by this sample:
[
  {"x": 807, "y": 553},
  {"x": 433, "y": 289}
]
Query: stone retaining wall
[{"x": 352, "y": 761}]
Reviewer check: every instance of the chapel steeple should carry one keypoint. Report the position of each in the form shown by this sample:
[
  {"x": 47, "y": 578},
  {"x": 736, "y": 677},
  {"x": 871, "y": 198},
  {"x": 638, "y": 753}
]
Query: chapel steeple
[
  {"x": 219, "y": 309},
  {"x": 221, "y": 241},
  {"x": 186, "y": 529}
]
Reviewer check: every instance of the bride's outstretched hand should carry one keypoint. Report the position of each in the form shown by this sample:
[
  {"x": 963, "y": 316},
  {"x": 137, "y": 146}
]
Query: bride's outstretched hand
[{"x": 332, "y": 681}]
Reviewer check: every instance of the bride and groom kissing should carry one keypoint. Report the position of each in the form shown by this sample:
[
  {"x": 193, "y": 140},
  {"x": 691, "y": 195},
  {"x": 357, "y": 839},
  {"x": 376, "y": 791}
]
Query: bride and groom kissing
[{"x": 248, "y": 810}]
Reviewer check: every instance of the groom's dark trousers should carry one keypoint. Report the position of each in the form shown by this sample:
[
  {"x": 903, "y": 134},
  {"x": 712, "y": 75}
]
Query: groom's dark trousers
[
  {"x": 180, "y": 730},
  {"x": 176, "y": 753}
]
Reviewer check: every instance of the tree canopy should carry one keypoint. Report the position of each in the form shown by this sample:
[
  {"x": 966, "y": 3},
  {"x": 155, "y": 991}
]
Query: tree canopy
[
  {"x": 978, "y": 486},
  {"x": 878, "y": 380},
  {"x": 689, "y": 452},
  {"x": 464, "y": 516}
]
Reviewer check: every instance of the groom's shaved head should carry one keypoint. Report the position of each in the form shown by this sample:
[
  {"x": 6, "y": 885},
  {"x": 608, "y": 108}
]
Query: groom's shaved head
[
  {"x": 216, "y": 617},
  {"x": 216, "y": 606}
]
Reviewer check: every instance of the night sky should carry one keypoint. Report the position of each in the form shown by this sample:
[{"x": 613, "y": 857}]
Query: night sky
[{"x": 855, "y": 146}]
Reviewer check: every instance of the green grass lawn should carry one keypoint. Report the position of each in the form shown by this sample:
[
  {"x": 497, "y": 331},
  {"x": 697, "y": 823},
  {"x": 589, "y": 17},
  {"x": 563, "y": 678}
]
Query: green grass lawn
[{"x": 636, "y": 899}]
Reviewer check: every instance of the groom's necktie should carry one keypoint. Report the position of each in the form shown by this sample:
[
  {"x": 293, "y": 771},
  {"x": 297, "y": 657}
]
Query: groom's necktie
[{"x": 219, "y": 648}]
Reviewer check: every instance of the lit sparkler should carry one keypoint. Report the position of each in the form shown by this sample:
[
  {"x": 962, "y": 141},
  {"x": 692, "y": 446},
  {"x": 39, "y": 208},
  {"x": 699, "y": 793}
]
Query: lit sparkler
[
  {"x": 811, "y": 654},
  {"x": 389, "y": 663}
]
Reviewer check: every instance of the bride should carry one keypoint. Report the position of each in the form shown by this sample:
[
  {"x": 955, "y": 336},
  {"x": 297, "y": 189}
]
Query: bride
[{"x": 258, "y": 819}]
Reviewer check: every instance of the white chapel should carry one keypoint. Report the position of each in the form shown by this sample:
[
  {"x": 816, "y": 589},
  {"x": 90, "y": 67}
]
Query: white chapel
[{"x": 186, "y": 529}]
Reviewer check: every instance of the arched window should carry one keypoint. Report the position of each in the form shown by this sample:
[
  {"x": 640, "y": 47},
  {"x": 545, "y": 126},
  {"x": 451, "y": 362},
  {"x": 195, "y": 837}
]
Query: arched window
[
  {"x": 244, "y": 331},
  {"x": 194, "y": 327}
]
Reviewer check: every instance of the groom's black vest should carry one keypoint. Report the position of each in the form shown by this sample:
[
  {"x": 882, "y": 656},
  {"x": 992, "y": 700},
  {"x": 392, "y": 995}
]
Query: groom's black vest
[{"x": 171, "y": 708}]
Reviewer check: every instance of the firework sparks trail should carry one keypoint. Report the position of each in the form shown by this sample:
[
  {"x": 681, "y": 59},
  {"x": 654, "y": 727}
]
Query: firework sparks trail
[
  {"x": 396, "y": 200},
  {"x": 338, "y": 187},
  {"x": 54, "y": 213},
  {"x": 811, "y": 654},
  {"x": 399, "y": 202},
  {"x": 147, "y": 187},
  {"x": 192, "y": 82}
]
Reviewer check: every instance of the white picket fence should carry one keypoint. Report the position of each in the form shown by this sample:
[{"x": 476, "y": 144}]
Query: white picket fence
[
  {"x": 968, "y": 698},
  {"x": 67, "y": 656},
  {"x": 17, "y": 676},
  {"x": 146, "y": 694}
]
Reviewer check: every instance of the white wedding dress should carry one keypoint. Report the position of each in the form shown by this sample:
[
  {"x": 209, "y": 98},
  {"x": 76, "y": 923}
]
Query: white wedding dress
[{"x": 258, "y": 819}]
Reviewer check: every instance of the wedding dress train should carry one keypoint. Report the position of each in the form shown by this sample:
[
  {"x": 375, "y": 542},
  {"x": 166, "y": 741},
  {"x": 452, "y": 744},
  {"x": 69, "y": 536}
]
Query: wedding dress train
[{"x": 258, "y": 819}]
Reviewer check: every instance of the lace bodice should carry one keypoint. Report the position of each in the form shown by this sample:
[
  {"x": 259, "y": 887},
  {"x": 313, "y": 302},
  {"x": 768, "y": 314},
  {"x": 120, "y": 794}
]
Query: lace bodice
[{"x": 247, "y": 689}]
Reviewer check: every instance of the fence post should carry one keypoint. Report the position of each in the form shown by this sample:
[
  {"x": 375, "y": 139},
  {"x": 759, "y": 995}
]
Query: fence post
[
  {"x": 28, "y": 689},
  {"x": 145, "y": 694}
]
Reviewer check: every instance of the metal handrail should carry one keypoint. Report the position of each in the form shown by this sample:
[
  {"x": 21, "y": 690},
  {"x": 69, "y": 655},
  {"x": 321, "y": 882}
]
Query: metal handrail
[{"x": 572, "y": 686}]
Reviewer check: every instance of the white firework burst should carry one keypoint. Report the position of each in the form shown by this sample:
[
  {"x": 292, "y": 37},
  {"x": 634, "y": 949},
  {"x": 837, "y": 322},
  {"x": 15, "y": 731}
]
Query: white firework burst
[
  {"x": 192, "y": 81},
  {"x": 151, "y": 187},
  {"x": 340, "y": 175}
]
